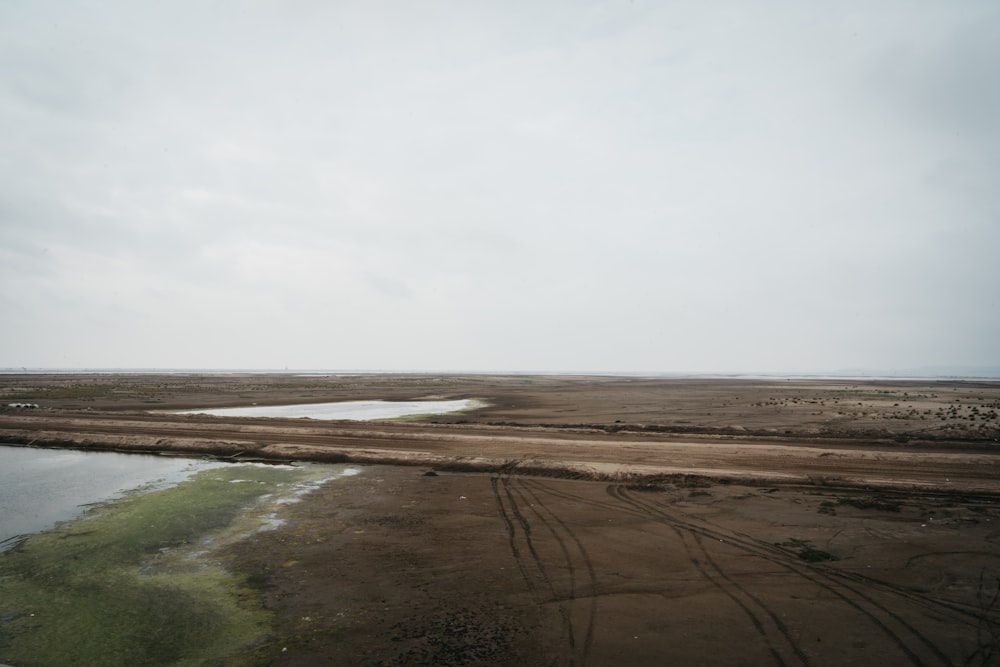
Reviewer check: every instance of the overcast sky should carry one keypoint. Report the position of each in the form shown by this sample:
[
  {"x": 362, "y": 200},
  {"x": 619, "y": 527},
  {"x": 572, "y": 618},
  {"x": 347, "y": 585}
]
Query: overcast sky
[{"x": 544, "y": 185}]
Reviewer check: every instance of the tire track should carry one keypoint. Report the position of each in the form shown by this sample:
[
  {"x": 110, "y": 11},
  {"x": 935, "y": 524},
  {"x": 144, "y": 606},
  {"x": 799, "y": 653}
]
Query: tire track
[
  {"x": 826, "y": 580},
  {"x": 519, "y": 525},
  {"x": 878, "y": 614},
  {"x": 960, "y": 612},
  {"x": 778, "y": 556},
  {"x": 768, "y": 625},
  {"x": 511, "y": 536},
  {"x": 858, "y": 592},
  {"x": 555, "y": 525}
]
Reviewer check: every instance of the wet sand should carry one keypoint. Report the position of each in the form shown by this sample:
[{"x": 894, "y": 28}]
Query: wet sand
[{"x": 710, "y": 522}]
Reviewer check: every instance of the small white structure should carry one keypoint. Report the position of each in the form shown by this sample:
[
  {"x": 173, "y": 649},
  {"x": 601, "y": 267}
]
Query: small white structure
[{"x": 30, "y": 406}]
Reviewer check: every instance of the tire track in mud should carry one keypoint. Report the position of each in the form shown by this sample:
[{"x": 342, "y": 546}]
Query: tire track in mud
[
  {"x": 520, "y": 530},
  {"x": 591, "y": 594},
  {"x": 959, "y": 611},
  {"x": 510, "y": 501},
  {"x": 842, "y": 585},
  {"x": 511, "y": 535},
  {"x": 878, "y": 614},
  {"x": 765, "y": 621},
  {"x": 780, "y": 557}
]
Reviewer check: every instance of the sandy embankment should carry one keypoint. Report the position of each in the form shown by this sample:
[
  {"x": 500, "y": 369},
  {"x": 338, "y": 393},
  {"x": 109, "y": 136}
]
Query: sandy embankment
[{"x": 583, "y": 452}]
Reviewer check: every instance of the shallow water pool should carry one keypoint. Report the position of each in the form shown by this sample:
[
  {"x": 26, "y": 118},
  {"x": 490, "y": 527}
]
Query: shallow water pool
[
  {"x": 142, "y": 580},
  {"x": 41, "y": 487},
  {"x": 348, "y": 410}
]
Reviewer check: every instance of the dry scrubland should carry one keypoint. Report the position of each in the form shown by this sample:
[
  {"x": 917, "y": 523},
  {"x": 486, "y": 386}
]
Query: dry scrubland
[{"x": 597, "y": 520}]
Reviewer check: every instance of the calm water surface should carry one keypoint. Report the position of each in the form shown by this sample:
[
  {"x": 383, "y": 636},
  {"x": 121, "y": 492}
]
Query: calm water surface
[
  {"x": 41, "y": 487},
  {"x": 349, "y": 410},
  {"x": 136, "y": 581}
]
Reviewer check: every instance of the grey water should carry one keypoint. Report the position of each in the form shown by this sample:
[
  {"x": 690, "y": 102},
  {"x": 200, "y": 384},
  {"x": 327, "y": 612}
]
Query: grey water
[{"x": 42, "y": 487}]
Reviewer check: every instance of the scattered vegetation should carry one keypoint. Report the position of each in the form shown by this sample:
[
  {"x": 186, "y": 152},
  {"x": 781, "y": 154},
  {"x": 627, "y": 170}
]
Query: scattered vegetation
[
  {"x": 806, "y": 551},
  {"x": 877, "y": 503}
]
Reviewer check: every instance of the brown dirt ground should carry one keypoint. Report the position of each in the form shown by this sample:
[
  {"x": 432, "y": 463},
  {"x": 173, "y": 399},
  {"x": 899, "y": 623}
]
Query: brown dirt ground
[{"x": 716, "y": 522}]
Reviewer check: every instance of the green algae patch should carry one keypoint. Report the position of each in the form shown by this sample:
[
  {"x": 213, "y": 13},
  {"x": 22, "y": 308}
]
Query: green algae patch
[{"x": 135, "y": 581}]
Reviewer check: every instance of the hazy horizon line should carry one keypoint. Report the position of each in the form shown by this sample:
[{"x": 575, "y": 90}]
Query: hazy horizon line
[{"x": 922, "y": 372}]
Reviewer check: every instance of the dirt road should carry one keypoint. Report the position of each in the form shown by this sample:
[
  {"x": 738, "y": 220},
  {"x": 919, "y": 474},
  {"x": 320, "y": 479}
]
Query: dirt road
[{"x": 971, "y": 467}]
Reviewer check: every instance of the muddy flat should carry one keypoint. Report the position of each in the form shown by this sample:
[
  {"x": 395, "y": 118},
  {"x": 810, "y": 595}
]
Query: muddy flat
[{"x": 591, "y": 520}]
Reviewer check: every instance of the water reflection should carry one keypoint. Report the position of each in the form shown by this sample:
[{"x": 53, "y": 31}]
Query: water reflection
[{"x": 41, "y": 487}]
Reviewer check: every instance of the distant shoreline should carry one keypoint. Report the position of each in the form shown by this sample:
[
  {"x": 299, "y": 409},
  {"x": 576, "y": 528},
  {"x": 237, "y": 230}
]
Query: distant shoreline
[{"x": 971, "y": 375}]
